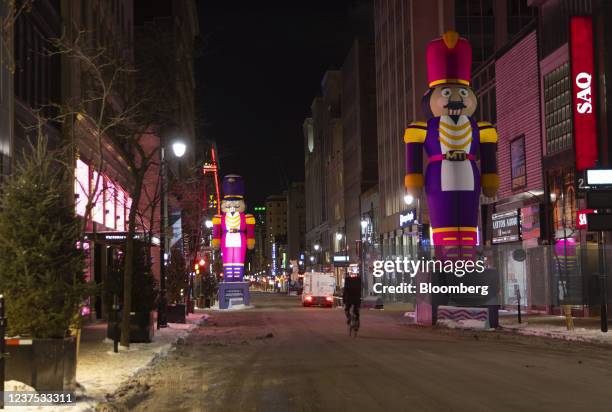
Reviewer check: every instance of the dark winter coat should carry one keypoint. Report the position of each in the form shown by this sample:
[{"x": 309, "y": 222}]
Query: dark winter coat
[{"x": 352, "y": 290}]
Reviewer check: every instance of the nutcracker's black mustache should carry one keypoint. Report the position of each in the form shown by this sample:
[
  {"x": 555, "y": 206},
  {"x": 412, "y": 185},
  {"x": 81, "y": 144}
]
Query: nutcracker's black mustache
[{"x": 454, "y": 109}]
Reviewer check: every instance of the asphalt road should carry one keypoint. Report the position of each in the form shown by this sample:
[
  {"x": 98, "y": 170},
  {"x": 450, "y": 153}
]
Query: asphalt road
[{"x": 282, "y": 357}]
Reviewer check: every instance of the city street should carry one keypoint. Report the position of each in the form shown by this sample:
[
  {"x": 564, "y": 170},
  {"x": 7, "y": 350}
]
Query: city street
[{"x": 282, "y": 357}]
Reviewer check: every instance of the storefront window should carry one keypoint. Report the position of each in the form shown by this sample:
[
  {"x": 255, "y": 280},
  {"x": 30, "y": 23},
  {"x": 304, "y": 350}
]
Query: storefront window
[
  {"x": 557, "y": 104},
  {"x": 97, "y": 184},
  {"x": 563, "y": 199}
]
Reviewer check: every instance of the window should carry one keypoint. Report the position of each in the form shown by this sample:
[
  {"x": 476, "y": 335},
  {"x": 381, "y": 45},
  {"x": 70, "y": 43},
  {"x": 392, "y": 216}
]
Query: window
[
  {"x": 518, "y": 167},
  {"x": 557, "y": 109}
]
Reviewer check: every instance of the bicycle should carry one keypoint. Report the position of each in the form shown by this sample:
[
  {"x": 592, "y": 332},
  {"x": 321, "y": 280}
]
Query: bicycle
[{"x": 354, "y": 322}]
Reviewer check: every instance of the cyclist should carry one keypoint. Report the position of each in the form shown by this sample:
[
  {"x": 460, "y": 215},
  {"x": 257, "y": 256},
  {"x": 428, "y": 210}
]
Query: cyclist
[{"x": 351, "y": 295}]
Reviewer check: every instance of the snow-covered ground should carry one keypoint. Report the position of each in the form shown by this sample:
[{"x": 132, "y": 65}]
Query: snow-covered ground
[
  {"x": 100, "y": 371},
  {"x": 540, "y": 328},
  {"x": 560, "y": 332}
]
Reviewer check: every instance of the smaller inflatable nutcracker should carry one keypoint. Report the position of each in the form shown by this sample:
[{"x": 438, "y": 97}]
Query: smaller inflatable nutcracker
[{"x": 233, "y": 230}]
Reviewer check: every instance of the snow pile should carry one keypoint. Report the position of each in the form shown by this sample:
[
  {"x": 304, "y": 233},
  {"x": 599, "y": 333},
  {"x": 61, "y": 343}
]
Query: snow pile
[
  {"x": 232, "y": 307},
  {"x": 100, "y": 371},
  {"x": 463, "y": 324},
  {"x": 561, "y": 332}
]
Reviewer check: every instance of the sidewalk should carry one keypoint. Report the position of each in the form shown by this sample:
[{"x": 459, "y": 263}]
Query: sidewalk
[
  {"x": 100, "y": 371},
  {"x": 585, "y": 329},
  {"x": 549, "y": 326}
]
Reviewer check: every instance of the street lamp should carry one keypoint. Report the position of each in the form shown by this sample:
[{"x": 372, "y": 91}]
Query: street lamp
[
  {"x": 316, "y": 247},
  {"x": 312, "y": 258},
  {"x": 209, "y": 224},
  {"x": 338, "y": 236},
  {"x": 364, "y": 225},
  {"x": 178, "y": 148},
  {"x": 408, "y": 199}
]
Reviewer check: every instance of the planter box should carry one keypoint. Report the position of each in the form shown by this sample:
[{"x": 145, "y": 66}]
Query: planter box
[
  {"x": 175, "y": 313},
  {"x": 45, "y": 364},
  {"x": 142, "y": 327}
]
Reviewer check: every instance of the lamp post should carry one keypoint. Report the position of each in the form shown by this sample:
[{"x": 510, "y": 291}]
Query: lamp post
[{"x": 178, "y": 148}]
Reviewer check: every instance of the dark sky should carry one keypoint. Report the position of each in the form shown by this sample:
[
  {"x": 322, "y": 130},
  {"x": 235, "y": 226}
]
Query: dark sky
[{"x": 260, "y": 68}]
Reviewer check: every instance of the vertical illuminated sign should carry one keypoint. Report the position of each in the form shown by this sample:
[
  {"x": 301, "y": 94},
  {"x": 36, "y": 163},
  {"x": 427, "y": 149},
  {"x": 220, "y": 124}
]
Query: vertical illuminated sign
[{"x": 583, "y": 87}]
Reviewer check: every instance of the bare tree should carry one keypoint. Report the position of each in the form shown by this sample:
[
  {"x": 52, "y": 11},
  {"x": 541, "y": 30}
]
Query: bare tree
[{"x": 125, "y": 105}]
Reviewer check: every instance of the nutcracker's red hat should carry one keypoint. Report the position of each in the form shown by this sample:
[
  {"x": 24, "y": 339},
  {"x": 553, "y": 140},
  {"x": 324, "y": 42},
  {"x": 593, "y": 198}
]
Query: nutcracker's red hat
[{"x": 449, "y": 60}]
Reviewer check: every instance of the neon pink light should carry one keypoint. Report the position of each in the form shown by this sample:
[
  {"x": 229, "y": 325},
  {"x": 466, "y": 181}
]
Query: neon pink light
[
  {"x": 109, "y": 205},
  {"x": 98, "y": 200},
  {"x": 81, "y": 187},
  {"x": 120, "y": 210}
]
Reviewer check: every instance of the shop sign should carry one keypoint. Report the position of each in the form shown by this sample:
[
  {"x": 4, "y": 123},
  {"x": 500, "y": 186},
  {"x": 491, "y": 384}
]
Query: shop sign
[
  {"x": 599, "y": 177},
  {"x": 583, "y": 87},
  {"x": 506, "y": 226},
  {"x": 407, "y": 218},
  {"x": 581, "y": 218}
]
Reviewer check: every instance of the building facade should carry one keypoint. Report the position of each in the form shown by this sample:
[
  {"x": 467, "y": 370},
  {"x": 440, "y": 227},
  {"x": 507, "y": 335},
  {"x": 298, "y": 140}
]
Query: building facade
[
  {"x": 402, "y": 30},
  {"x": 359, "y": 145},
  {"x": 276, "y": 233},
  {"x": 324, "y": 188},
  {"x": 296, "y": 221}
]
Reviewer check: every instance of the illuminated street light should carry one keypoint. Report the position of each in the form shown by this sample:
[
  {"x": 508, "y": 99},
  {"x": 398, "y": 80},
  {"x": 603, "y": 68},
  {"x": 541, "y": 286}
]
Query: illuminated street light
[
  {"x": 312, "y": 258},
  {"x": 364, "y": 224},
  {"x": 338, "y": 236},
  {"x": 209, "y": 224},
  {"x": 408, "y": 199},
  {"x": 316, "y": 247},
  {"x": 179, "y": 148}
]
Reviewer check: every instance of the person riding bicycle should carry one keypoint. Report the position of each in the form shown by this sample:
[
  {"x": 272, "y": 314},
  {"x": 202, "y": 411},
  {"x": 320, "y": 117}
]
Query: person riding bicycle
[{"x": 351, "y": 295}]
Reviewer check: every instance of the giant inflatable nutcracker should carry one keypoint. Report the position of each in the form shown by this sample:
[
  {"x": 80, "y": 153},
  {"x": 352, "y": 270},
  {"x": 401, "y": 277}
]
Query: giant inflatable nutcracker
[
  {"x": 453, "y": 142},
  {"x": 233, "y": 233}
]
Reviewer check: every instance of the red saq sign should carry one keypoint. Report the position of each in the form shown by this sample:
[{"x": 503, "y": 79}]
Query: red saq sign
[
  {"x": 583, "y": 79},
  {"x": 581, "y": 218}
]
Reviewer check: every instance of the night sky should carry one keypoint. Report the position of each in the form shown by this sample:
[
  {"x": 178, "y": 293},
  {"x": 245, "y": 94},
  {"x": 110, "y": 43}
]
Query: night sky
[{"x": 260, "y": 67}]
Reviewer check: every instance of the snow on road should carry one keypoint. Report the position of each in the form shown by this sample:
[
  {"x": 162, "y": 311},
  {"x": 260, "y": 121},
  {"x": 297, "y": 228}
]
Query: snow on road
[{"x": 280, "y": 356}]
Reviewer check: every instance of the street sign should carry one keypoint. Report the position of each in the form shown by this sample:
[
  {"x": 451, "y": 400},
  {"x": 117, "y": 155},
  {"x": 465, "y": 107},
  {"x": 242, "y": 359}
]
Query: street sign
[
  {"x": 599, "y": 199},
  {"x": 599, "y": 221}
]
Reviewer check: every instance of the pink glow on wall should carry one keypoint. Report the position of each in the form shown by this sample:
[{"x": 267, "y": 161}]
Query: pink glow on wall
[
  {"x": 98, "y": 200},
  {"x": 518, "y": 114},
  {"x": 120, "y": 210},
  {"x": 81, "y": 187},
  {"x": 109, "y": 204},
  {"x": 128, "y": 207}
]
